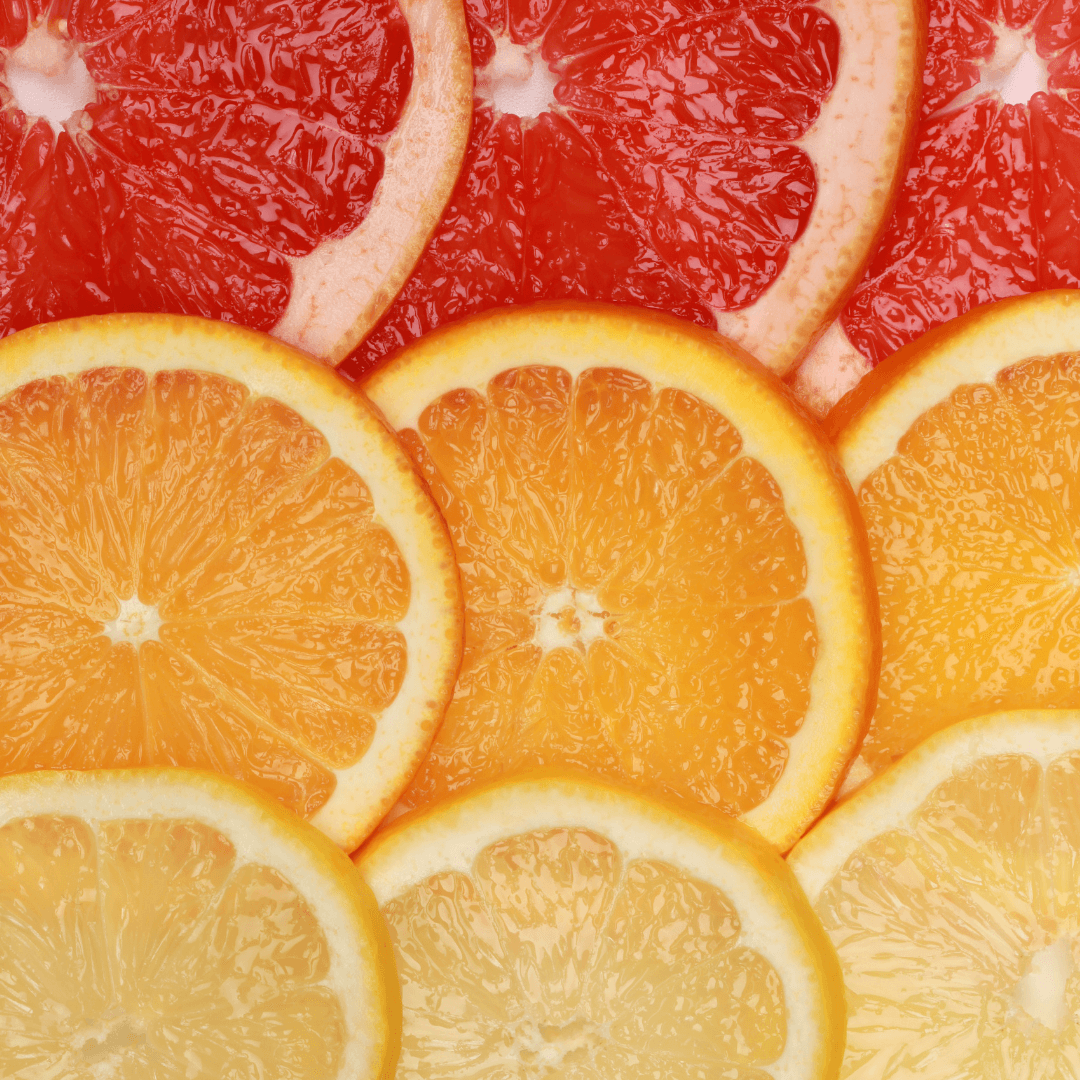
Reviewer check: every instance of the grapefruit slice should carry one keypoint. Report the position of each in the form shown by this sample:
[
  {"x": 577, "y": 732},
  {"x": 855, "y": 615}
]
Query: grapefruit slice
[
  {"x": 559, "y": 927},
  {"x": 213, "y": 554},
  {"x": 949, "y": 887},
  {"x": 961, "y": 451},
  {"x": 665, "y": 578},
  {"x": 280, "y": 165},
  {"x": 164, "y": 923},
  {"x": 988, "y": 208},
  {"x": 731, "y": 164}
]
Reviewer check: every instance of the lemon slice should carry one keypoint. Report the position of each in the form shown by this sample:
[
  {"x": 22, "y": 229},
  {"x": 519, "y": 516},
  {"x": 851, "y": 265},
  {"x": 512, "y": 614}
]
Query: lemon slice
[
  {"x": 557, "y": 926},
  {"x": 665, "y": 577},
  {"x": 950, "y": 886},
  {"x": 167, "y": 923},
  {"x": 214, "y": 555}
]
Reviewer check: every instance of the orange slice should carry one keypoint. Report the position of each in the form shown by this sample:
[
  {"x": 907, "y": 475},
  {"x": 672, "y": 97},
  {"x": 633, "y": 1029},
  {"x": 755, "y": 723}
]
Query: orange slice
[
  {"x": 213, "y": 554},
  {"x": 961, "y": 451},
  {"x": 167, "y": 923},
  {"x": 949, "y": 887},
  {"x": 664, "y": 575},
  {"x": 557, "y": 926}
]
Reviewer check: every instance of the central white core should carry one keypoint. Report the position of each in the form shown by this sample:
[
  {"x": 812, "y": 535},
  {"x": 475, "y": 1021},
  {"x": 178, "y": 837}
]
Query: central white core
[
  {"x": 517, "y": 80},
  {"x": 48, "y": 78},
  {"x": 1041, "y": 992},
  {"x": 570, "y": 618},
  {"x": 1015, "y": 71},
  {"x": 136, "y": 623}
]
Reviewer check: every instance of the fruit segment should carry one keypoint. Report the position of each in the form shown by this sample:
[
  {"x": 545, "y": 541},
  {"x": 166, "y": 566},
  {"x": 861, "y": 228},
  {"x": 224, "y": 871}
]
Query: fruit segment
[
  {"x": 634, "y": 588},
  {"x": 187, "y": 577},
  {"x": 147, "y": 942},
  {"x": 566, "y": 958}
]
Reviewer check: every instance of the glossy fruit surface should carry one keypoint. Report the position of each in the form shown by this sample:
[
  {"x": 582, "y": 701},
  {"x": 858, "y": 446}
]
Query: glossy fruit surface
[
  {"x": 213, "y": 554},
  {"x": 162, "y": 922},
  {"x": 555, "y": 925},
  {"x": 665, "y": 579},
  {"x": 949, "y": 887}
]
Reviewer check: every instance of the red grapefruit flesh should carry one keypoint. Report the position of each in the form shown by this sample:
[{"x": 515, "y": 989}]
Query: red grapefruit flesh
[
  {"x": 990, "y": 206},
  {"x": 727, "y": 163},
  {"x": 213, "y": 158}
]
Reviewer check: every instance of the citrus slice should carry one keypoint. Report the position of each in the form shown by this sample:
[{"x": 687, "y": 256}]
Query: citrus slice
[
  {"x": 213, "y": 554},
  {"x": 665, "y": 579},
  {"x": 556, "y": 926},
  {"x": 732, "y": 164},
  {"x": 164, "y": 923},
  {"x": 949, "y": 887},
  {"x": 988, "y": 208},
  {"x": 280, "y": 165},
  {"x": 960, "y": 450}
]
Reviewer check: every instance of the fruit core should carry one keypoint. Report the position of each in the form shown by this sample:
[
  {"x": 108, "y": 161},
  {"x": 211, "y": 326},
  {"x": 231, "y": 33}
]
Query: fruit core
[
  {"x": 1014, "y": 70},
  {"x": 135, "y": 623},
  {"x": 517, "y": 81},
  {"x": 570, "y": 618},
  {"x": 1040, "y": 994},
  {"x": 47, "y": 77}
]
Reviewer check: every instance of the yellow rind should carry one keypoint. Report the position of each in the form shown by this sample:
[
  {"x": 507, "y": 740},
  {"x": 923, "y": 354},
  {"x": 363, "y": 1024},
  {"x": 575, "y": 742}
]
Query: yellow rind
[
  {"x": 775, "y": 430},
  {"x": 434, "y": 626},
  {"x": 697, "y": 840},
  {"x": 265, "y": 832}
]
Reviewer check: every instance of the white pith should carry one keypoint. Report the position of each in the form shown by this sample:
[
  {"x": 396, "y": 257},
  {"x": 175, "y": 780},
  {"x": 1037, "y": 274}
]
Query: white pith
[
  {"x": 569, "y": 618},
  {"x": 1040, "y": 993},
  {"x": 579, "y": 339},
  {"x": 517, "y": 81},
  {"x": 258, "y": 838},
  {"x": 135, "y": 623},
  {"x": 47, "y": 77},
  {"x": 452, "y": 840},
  {"x": 366, "y": 790},
  {"x": 343, "y": 287}
]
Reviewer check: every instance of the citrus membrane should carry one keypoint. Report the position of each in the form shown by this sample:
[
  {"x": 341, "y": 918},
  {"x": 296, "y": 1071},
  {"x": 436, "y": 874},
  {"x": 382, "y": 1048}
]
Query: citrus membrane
[{"x": 213, "y": 554}]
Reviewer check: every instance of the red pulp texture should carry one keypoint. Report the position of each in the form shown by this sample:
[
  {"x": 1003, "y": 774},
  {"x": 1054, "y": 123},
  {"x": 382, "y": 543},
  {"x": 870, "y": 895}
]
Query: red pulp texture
[
  {"x": 990, "y": 206},
  {"x": 666, "y": 178},
  {"x": 227, "y": 136}
]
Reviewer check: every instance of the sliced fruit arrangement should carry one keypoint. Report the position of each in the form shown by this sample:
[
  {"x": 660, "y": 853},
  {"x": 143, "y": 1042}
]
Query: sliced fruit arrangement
[
  {"x": 213, "y": 554},
  {"x": 989, "y": 206},
  {"x": 161, "y": 923},
  {"x": 665, "y": 577},
  {"x": 962, "y": 451},
  {"x": 275, "y": 164},
  {"x": 557, "y": 926},
  {"x": 724, "y": 162},
  {"x": 949, "y": 887}
]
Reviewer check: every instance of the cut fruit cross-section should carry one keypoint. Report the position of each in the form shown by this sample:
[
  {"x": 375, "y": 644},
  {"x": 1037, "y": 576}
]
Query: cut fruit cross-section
[
  {"x": 989, "y": 206},
  {"x": 558, "y": 927},
  {"x": 161, "y": 923},
  {"x": 729, "y": 163},
  {"x": 961, "y": 449},
  {"x": 280, "y": 165},
  {"x": 949, "y": 886},
  {"x": 213, "y": 554},
  {"x": 664, "y": 575}
]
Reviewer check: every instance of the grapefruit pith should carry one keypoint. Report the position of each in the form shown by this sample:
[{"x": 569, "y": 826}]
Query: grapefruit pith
[
  {"x": 727, "y": 163},
  {"x": 273, "y": 164},
  {"x": 989, "y": 205}
]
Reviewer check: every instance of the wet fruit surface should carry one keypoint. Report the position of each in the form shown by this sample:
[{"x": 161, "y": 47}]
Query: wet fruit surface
[
  {"x": 650, "y": 161},
  {"x": 989, "y": 205},
  {"x": 188, "y": 577},
  {"x": 219, "y": 142}
]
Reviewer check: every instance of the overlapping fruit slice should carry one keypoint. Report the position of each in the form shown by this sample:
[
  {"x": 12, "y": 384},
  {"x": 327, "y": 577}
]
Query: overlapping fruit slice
[
  {"x": 712, "y": 160},
  {"x": 224, "y": 160},
  {"x": 949, "y": 888},
  {"x": 663, "y": 576},
  {"x": 212, "y": 554},
  {"x": 988, "y": 208},
  {"x": 559, "y": 927},
  {"x": 161, "y": 924}
]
